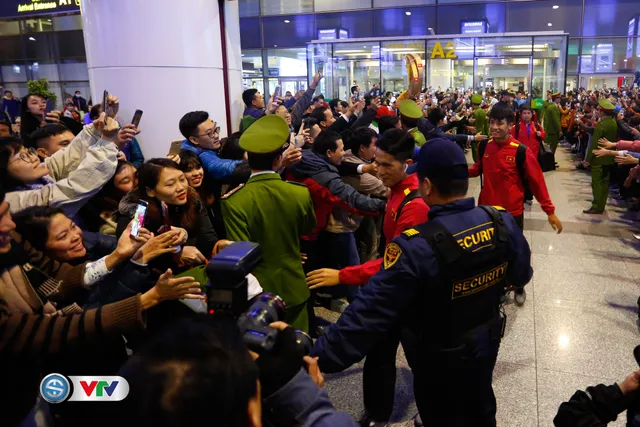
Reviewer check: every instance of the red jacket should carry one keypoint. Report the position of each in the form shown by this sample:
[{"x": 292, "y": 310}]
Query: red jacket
[
  {"x": 502, "y": 183},
  {"x": 413, "y": 213},
  {"x": 529, "y": 140}
]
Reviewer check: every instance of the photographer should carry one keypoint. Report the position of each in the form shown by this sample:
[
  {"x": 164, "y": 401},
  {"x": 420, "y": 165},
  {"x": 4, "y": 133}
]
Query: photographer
[
  {"x": 599, "y": 405},
  {"x": 201, "y": 368}
]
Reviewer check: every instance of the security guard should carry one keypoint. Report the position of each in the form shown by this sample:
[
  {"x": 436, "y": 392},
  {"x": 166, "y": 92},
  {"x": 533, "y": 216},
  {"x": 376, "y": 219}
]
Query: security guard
[
  {"x": 601, "y": 167},
  {"x": 273, "y": 213},
  {"x": 410, "y": 113},
  {"x": 480, "y": 122},
  {"x": 442, "y": 282}
]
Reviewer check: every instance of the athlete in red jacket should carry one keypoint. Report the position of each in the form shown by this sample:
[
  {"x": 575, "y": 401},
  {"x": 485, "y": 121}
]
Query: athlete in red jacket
[
  {"x": 502, "y": 183},
  {"x": 527, "y": 131},
  {"x": 393, "y": 156}
]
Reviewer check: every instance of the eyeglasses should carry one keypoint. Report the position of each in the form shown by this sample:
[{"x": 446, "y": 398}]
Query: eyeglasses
[
  {"x": 29, "y": 155},
  {"x": 211, "y": 132}
]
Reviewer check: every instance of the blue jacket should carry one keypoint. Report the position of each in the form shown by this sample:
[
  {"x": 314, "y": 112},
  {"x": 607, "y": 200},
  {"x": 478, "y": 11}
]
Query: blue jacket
[
  {"x": 12, "y": 107},
  {"x": 133, "y": 153},
  {"x": 253, "y": 112},
  {"x": 399, "y": 292},
  {"x": 300, "y": 402},
  {"x": 215, "y": 167}
]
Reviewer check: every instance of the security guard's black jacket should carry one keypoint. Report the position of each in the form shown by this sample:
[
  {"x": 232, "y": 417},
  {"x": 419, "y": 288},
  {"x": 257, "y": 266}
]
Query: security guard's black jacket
[{"x": 400, "y": 292}]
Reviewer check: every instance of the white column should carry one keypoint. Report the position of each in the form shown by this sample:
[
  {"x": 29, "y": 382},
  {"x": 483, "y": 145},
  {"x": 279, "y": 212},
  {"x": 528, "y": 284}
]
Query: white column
[
  {"x": 234, "y": 62},
  {"x": 163, "y": 57}
]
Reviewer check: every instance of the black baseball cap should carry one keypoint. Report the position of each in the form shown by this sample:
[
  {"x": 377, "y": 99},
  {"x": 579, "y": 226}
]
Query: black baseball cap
[{"x": 440, "y": 158}]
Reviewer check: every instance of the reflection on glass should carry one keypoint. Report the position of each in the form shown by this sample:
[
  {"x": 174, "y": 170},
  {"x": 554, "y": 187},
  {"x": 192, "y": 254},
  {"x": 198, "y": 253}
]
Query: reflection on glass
[
  {"x": 251, "y": 63},
  {"x": 356, "y": 65},
  {"x": 548, "y": 65},
  {"x": 395, "y": 77},
  {"x": 503, "y": 73}
]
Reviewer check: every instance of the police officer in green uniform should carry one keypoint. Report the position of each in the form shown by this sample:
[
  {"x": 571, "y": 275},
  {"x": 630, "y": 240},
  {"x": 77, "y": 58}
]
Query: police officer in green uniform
[
  {"x": 273, "y": 213},
  {"x": 601, "y": 167},
  {"x": 480, "y": 122},
  {"x": 441, "y": 282},
  {"x": 410, "y": 113},
  {"x": 551, "y": 122}
]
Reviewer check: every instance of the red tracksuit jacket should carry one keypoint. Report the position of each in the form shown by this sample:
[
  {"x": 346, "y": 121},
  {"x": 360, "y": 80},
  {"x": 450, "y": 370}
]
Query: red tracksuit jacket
[
  {"x": 502, "y": 183},
  {"x": 413, "y": 213},
  {"x": 530, "y": 140}
]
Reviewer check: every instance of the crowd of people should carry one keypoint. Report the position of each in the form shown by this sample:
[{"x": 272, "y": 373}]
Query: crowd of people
[{"x": 357, "y": 205}]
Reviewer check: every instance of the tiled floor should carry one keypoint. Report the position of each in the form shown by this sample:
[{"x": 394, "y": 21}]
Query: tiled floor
[{"x": 578, "y": 326}]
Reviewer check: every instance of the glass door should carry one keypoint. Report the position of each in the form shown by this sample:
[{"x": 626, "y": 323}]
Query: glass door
[
  {"x": 513, "y": 73},
  {"x": 355, "y": 65}
]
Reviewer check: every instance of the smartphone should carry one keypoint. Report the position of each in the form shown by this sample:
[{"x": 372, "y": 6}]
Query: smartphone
[
  {"x": 138, "y": 218},
  {"x": 277, "y": 93},
  {"x": 136, "y": 118},
  {"x": 175, "y": 147},
  {"x": 320, "y": 67},
  {"x": 105, "y": 94}
]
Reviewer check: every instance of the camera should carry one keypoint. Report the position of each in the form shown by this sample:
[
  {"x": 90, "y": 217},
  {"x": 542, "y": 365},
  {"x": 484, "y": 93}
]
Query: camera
[{"x": 227, "y": 294}]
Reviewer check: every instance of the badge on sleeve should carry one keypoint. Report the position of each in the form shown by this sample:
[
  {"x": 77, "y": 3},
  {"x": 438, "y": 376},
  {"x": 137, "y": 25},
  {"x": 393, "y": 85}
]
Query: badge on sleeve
[{"x": 391, "y": 255}]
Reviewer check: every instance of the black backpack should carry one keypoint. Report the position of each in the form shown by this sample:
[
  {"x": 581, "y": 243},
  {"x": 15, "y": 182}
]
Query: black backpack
[
  {"x": 407, "y": 198},
  {"x": 521, "y": 156}
]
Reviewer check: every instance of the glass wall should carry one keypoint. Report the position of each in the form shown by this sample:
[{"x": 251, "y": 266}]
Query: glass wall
[
  {"x": 525, "y": 64},
  {"x": 52, "y": 48},
  {"x": 588, "y": 23}
]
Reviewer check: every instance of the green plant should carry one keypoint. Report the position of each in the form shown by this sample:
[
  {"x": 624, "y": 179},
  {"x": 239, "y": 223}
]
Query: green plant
[{"x": 41, "y": 87}]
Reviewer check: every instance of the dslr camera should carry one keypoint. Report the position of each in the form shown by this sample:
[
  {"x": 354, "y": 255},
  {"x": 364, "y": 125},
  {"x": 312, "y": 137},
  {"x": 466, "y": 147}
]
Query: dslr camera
[{"x": 227, "y": 294}]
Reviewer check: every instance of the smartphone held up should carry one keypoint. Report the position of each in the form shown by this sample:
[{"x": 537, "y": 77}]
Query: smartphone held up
[{"x": 138, "y": 218}]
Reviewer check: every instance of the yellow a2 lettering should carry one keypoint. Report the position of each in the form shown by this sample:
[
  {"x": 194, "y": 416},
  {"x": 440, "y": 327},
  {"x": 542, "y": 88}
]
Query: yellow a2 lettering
[
  {"x": 448, "y": 52},
  {"x": 451, "y": 51}
]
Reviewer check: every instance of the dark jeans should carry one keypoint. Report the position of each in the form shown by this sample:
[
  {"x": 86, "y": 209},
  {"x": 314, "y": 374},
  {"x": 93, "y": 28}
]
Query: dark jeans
[
  {"x": 452, "y": 386},
  {"x": 340, "y": 251},
  {"x": 379, "y": 377}
]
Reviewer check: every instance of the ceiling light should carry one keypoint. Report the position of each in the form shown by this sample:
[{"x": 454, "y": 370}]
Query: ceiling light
[
  {"x": 614, "y": 63},
  {"x": 32, "y": 39},
  {"x": 407, "y": 13},
  {"x": 555, "y": 6},
  {"x": 286, "y": 21},
  {"x": 549, "y": 24},
  {"x": 275, "y": 45}
]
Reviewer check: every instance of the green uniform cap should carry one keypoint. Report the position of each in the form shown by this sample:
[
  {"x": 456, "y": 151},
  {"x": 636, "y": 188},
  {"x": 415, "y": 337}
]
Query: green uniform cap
[
  {"x": 606, "y": 105},
  {"x": 476, "y": 99},
  {"x": 265, "y": 135},
  {"x": 556, "y": 94},
  {"x": 409, "y": 109}
]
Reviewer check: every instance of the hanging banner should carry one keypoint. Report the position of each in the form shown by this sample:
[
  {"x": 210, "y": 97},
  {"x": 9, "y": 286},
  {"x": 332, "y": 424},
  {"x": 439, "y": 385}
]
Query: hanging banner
[{"x": 630, "y": 32}]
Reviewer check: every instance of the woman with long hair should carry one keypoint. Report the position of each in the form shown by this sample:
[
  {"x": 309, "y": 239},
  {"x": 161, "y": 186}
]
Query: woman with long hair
[
  {"x": 530, "y": 133},
  {"x": 171, "y": 203},
  {"x": 100, "y": 213}
]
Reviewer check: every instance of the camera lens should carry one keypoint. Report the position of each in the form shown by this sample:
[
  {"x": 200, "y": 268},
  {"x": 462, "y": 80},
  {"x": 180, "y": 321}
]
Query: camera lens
[{"x": 267, "y": 308}]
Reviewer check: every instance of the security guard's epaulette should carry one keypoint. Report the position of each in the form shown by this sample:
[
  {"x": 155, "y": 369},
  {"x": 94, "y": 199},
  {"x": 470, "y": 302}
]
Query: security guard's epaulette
[
  {"x": 297, "y": 183},
  {"x": 232, "y": 192},
  {"x": 499, "y": 208},
  {"x": 410, "y": 232}
]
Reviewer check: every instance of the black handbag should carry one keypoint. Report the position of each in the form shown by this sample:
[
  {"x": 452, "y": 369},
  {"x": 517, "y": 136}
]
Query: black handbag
[{"x": 546, "y": 158}]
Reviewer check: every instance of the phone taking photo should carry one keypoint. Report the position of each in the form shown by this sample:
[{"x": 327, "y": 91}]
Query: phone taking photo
[
  {"x": 136, "y": 118},
  {"x": 105, "y": 94},
  {"x": 175, "y": 147},
  {"x": 277, "y": 93},
  {"x": 138, "y": 218}
]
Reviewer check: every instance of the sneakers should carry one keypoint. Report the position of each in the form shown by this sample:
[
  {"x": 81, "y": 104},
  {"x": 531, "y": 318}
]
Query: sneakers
[
  {"x": 520, "y": 296},
  {"x": 365, "y": 421},
  {"x": 529, "y": 202},
  {"x": 417, "y": 421}
]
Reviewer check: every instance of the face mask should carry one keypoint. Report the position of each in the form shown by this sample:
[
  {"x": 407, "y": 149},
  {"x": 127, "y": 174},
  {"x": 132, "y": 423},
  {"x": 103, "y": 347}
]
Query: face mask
[{"x": 77, "y": 95}]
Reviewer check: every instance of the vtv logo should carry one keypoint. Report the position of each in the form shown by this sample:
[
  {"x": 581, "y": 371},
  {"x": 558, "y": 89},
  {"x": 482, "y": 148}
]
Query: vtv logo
[
  {"x": 103, "y": 388},
  {"x": 100, "y": 387},
  {"x": 56, "y": 388}
]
